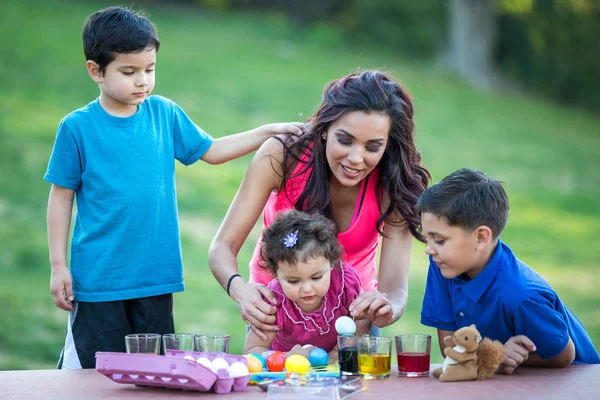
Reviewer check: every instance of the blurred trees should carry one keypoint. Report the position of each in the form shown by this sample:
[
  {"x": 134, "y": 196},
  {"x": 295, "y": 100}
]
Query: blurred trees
[{"x": 550, "y": 46}]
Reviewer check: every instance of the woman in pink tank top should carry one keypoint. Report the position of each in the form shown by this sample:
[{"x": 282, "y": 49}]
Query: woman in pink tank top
[{"x": 357, "y": 164}]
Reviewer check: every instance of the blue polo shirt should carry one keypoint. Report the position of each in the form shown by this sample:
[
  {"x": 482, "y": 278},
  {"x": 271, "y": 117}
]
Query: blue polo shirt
[
  {"x": 506, "y": 299},
  {"x": 125, "y": 241}
]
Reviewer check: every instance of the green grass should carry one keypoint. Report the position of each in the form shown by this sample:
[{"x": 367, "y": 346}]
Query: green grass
[{"x": 234, "y": 72}]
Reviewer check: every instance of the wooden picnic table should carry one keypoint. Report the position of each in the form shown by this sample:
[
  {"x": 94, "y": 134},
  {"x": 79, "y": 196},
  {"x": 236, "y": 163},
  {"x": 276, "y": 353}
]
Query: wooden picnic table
[{"x": 575, "y": 382}]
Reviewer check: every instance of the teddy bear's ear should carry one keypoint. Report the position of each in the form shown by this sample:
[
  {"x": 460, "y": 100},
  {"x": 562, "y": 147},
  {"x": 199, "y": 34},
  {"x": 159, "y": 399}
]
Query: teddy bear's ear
[{"x": 473, "y": 326}]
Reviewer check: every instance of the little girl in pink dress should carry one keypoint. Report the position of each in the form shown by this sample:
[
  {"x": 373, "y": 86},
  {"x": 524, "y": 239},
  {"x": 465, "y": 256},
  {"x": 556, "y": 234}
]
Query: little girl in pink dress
[{"x": 313, "y": 286}]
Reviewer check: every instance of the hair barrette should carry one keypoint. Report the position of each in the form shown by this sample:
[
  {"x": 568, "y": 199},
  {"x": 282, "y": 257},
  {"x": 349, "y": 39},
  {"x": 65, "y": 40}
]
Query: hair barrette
[{"x": 290, "y": 239}]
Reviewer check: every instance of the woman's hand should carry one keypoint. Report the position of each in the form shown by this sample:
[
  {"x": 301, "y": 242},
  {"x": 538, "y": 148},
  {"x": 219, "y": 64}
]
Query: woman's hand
[
  {"x": 375, "y": 306},
  {"x": 256, "y": 312}
]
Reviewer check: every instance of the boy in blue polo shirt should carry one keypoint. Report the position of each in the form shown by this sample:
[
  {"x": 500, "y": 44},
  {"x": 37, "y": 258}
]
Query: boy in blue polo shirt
[
  {"x": 474, "y": 278},
  {"x": 116, "y": 157}
]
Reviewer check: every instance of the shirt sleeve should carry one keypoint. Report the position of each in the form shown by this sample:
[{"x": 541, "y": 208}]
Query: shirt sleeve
[
  {"x": 189, "y": 140},
  {"x": 64, "y": 167},
  {"x": 352, "y": 286},
  {"x": 437, "y": 310},
  {"x": 537, "y": 318}
]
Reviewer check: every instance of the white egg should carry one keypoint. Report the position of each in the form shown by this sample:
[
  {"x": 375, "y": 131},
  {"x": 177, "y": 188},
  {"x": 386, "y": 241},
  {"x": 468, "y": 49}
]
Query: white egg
[
  {"x": 238, "y": 369},
  {"x": 189, "y": 358},
  {"x": 204, "y": 361},
  {"x": 219, "y": 363},
  {"x": 345, "y": 326}
]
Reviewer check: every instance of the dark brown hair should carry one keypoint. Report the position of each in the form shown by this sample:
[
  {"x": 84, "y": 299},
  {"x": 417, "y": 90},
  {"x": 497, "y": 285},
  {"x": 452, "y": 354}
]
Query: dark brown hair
[
  {"x": 117, "y": 30},
  {"x": 402, "y": 178},
  {"x": 314, "y": 236},
  {"x": 468, "y": 198}
]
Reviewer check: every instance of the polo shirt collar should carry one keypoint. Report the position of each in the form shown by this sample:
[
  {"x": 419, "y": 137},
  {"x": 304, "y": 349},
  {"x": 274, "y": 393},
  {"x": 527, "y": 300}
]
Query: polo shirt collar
[{"x": 475, "y": 288}]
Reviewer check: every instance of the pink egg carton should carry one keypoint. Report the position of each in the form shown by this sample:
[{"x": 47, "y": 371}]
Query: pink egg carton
[{"x": 170, "y": 371}]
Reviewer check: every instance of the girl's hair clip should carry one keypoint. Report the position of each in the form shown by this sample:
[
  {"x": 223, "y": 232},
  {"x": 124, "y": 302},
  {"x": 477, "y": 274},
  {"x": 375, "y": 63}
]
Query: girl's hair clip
[{"x": 290, "y": 239}]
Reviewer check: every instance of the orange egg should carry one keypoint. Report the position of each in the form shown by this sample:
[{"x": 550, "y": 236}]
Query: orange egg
[{"x": 254, "y": 364}]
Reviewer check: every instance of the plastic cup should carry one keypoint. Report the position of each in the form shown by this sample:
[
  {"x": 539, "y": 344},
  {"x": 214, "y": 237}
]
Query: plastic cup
[
  {"x": 374, "y": 357},
  {"x": 178, "y": 341},
  {"x": 218, "y": 343},
  {"x": 146, "y": 343},
  {"x": 413, "y": 352}
]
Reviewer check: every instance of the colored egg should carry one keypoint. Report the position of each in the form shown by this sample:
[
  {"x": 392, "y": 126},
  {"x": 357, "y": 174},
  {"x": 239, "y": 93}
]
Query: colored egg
[
  {"x": 318, "y": 357},
  {"x": 266, "y": 354},
  {"x": 238, "y": 369},
  {"x": 276, "y": 361},
  {"x": 345, "y": 326},
  {"x": 217, "y": 364},
  {"x": 261, "y": 359},
  {"x": 297, "y": 363},
  {"x": 254, "y": 364}
]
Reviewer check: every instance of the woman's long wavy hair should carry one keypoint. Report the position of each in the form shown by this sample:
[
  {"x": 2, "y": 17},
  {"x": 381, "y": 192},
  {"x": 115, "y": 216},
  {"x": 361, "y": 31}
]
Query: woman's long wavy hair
[{"x": 402, "y": 178}]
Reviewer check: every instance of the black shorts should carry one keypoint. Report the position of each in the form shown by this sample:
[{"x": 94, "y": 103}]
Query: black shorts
[{"x": 102, "y": 326}]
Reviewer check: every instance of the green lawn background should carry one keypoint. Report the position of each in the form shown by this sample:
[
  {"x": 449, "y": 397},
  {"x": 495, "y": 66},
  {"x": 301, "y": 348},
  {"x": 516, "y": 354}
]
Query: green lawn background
[{"x": 234, "y": 72}]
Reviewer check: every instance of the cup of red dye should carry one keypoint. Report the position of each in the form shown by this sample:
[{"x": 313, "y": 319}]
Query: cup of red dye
[{"x": 413, "y": 352}]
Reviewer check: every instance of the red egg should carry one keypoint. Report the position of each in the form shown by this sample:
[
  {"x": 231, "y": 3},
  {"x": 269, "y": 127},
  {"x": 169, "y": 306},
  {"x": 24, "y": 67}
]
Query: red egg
[{"x": 276, "y": 361}]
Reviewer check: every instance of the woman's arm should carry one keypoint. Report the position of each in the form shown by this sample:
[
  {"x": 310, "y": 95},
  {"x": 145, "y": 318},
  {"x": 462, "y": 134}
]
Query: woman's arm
[
  {"x": 386, "y": 305},
  {"x": 263, "y": 176}
]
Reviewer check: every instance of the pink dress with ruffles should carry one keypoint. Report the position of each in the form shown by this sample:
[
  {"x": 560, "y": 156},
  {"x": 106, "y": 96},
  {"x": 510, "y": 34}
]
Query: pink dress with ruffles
[{"x": 318, "y": 327}]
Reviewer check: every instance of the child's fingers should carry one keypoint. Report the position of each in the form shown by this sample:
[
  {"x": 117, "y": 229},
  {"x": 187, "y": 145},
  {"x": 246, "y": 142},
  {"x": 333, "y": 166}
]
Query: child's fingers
[{"x": 525, "y": 342}]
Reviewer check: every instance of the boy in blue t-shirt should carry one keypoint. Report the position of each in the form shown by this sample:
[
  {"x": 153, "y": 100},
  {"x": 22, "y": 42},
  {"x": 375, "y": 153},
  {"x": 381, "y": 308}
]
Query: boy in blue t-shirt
[
  {"x": 116, "y": 157},
  {"x": 474, "y": 278}
]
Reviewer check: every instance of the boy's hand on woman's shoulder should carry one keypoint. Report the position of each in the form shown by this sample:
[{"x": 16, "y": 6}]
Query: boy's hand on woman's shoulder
[
  {"x": 294, "y": 128},
  {"x": 61, "y": 287},
  {"x": 516, "y": 352}
]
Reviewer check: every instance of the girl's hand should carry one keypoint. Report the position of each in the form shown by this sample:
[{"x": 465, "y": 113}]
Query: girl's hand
[
  {"x": 255, "y": 311},
  {"x": 516, "y": 352},
  {"x": 374, "y": 306}
]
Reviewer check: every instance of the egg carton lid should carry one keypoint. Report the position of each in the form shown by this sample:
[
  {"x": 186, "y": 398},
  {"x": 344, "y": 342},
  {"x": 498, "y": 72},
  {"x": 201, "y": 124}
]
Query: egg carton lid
[{"x": 165, "y": 371}]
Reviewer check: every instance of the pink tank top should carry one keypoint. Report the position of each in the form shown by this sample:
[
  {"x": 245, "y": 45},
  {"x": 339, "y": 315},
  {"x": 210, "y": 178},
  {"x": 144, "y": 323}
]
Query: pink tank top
[{"x": 359, "y": 241}]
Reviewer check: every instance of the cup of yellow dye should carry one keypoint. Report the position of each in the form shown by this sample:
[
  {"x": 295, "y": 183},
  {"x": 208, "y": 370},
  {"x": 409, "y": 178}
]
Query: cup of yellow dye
[{"x": 374, "y": 357}]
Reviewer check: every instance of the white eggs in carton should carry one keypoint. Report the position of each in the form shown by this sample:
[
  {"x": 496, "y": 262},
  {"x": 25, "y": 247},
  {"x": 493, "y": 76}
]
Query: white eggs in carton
[
  {"x": 219, "y": 363},
  {"x": 238, "y": 369},
  {"x": 204, "y": 362}
]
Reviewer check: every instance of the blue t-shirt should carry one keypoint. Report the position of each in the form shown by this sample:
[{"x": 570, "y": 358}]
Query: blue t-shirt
[
  {"x": 125, "y": 240},
  {"x": 507, "y": 298}
]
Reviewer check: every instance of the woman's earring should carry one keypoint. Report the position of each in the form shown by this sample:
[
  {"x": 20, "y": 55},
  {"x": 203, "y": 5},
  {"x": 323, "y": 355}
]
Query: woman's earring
[{"x": 324, "y": 136}]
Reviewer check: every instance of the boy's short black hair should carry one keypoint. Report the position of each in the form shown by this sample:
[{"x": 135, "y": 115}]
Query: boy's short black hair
[
  {"x": 468, "y": 199},
  {"x": 117, "y": 30}
]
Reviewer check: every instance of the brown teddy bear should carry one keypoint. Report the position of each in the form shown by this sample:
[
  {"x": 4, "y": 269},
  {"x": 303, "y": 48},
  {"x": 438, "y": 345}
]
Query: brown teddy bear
[{"x": 468, "y": 357}]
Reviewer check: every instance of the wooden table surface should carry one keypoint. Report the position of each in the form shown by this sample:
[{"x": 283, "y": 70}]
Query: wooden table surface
[{"x": 575, "y": 382}]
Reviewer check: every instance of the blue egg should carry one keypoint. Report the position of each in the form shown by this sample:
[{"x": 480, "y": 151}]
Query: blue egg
[
  {"x": 261, "y": 359},
  {"x": 266, "y": 354},
  {"x": 318, "y": 357}
]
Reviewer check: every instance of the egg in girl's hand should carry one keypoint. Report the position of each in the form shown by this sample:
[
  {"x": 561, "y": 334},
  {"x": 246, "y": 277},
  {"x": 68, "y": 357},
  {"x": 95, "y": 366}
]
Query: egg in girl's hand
[
  {"x": 345, "y": 326},
  {"x": 219, "y": 363},
  {"x": 238, "y": 369},
  {"x": 204, "y": 362}
]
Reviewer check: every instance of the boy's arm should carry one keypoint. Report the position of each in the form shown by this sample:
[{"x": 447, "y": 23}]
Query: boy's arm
[
  {"x": 230, "y": 147},
  {"x": 563, "y": 360},
  {"x": 60, "y": 206},
  {"x": 441, "y": 335}
]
